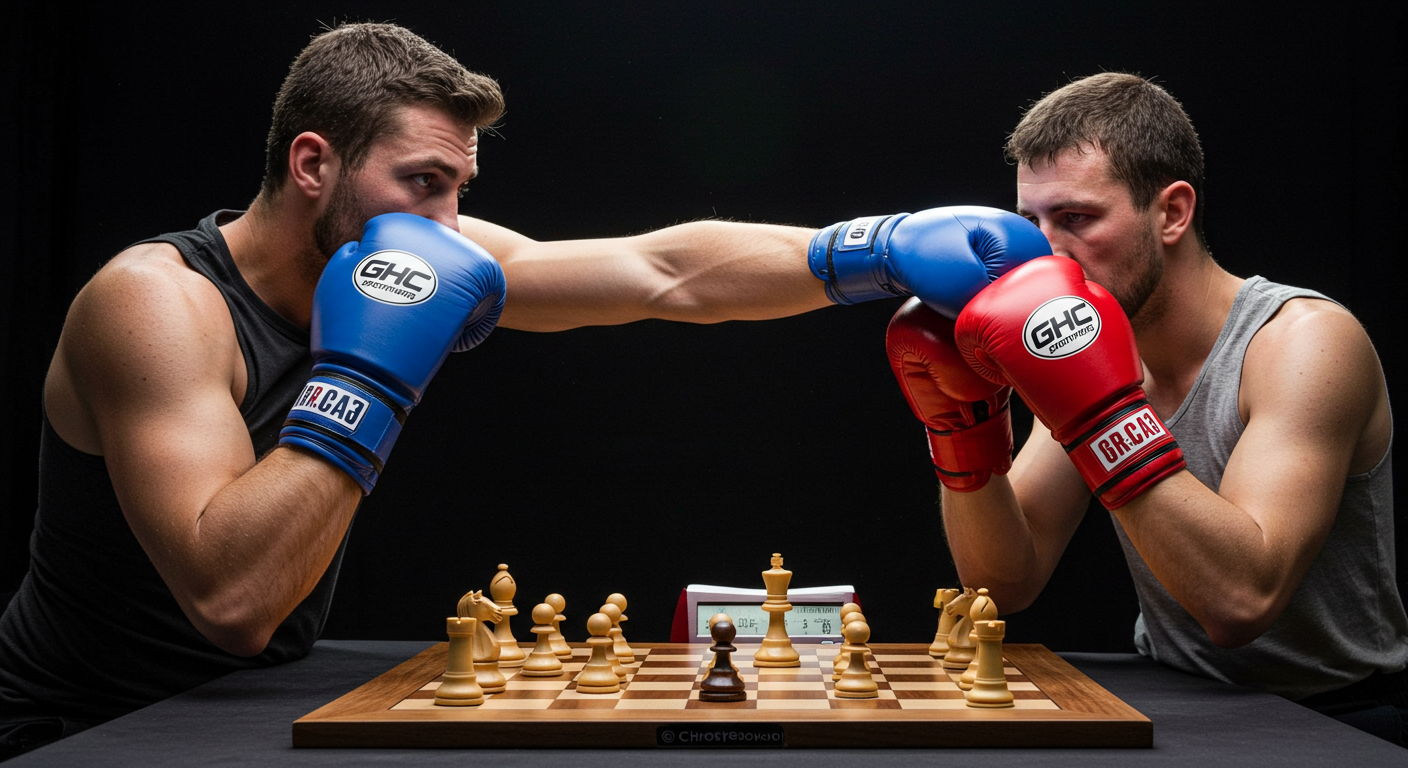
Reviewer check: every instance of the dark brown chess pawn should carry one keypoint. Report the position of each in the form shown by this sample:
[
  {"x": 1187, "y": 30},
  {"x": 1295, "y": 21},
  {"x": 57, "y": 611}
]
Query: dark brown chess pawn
[{"x": 722, "y": 683}]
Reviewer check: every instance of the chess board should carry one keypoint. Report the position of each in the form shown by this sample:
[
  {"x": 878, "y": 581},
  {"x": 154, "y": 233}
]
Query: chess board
[{"x": 920, "y": 705}]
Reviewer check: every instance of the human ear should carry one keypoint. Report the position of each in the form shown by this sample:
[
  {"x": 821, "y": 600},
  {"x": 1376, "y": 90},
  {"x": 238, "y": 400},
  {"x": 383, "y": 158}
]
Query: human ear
[
  {"x": 1176, "y": 204},
  {"x": 311, "y": 164}
]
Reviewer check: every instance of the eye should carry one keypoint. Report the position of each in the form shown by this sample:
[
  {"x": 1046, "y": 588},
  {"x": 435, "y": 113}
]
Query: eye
[
  {"x": 1077, "y": 218},
  {"x": 423, "y": 180}
]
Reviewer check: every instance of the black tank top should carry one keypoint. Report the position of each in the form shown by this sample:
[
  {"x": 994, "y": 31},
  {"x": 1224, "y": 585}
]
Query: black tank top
[{"x": 93, "y": 632}]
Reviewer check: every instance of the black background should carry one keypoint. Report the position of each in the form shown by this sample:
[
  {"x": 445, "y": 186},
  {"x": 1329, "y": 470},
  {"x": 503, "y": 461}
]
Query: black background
[{"x": 646, "y": 457}]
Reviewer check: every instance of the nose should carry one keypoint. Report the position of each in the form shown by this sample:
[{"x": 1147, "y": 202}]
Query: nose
[
  {"x": 1053, "y": 237},
  {"x": 447, "y": 213}
]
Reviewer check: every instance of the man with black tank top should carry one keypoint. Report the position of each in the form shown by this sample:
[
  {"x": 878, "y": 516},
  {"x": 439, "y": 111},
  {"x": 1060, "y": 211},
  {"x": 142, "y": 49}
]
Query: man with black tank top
[
  {"x": 194, "y": 506},
  {"x": 1260, "y": 537}
]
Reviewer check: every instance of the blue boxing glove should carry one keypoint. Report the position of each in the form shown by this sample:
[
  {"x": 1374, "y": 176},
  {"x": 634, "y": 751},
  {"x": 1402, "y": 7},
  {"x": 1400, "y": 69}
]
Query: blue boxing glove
[
  {"x": 942, "y": 255},
  {"x": 386, "y": 313}
]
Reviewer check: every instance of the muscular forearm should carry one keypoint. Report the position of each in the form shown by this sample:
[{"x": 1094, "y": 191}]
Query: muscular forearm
[
  {"x": 711, "y": 271},
  {"x": 1315, "y": 411},
  {"x": 1009, "y": 535},
  {"x": 1214, "y": 558},
  {"x": 701, "y": 272},
  {"x": 729, "y": 271},
  {"x": 992, "y": 543},
  {"x": 259, "y": 547}
]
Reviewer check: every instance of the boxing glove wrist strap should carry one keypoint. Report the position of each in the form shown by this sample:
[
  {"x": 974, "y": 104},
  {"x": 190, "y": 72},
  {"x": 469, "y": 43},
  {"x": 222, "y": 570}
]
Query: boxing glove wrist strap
[
  {"x": 1125, "y": 454},
  {"x": 966, "y": 458},
  {"x": 346, "y": 422},
  {"x": 851, "y": 258}
]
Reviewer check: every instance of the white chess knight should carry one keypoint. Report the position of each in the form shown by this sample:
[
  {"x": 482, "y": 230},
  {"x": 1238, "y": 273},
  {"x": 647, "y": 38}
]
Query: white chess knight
[{"x": 486, "y": 647}]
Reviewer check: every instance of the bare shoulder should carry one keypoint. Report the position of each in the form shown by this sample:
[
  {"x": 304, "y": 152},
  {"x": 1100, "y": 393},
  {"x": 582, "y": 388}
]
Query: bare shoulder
[
  {"x": 1314, "y": 366},
  {"x": 142, "y": 328},
  {"x": 1312, "y": 335},
  {"x": 146, "y": 295},
  {"x": 156, "y": 270}
]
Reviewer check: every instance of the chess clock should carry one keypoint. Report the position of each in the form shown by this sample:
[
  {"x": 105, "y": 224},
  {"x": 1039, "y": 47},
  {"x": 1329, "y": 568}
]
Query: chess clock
[{"x": 815, "y": 616}]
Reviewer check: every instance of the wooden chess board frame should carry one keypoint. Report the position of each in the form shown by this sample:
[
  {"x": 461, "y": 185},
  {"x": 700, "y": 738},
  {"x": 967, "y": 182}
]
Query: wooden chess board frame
[{"x": 1066, "y": 709}]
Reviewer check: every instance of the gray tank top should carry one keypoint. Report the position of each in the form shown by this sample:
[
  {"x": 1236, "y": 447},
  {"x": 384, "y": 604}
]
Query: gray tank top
[{"x": 1347, "y": 620}]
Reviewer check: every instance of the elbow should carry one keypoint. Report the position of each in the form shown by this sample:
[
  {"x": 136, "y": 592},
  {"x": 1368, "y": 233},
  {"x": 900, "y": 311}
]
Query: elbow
[
  {"x": 241, "y": 642},
  {"x": 233, "y": 627},
  {"x": 1235, "y": 626},
  {"x": 1012, "y": 587},
  {"x": 1230, "y": 635},
  {"x": 1009, "y": 597}
]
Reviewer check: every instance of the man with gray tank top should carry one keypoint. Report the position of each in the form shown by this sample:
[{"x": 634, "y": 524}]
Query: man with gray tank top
[{"x": 1249, "y": 478}]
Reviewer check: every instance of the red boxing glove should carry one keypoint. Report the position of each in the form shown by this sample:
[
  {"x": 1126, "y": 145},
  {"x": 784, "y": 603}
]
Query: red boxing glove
[
  {"x": 1065, "y": 345},
  {"x": 970, "y": 428}
]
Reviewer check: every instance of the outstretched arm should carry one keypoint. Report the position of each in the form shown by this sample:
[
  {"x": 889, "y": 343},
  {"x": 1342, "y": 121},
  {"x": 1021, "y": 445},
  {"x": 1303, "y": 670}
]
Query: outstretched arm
[
  {"x": 711, "y": 271},
  {"x": 702, "y": 272}
]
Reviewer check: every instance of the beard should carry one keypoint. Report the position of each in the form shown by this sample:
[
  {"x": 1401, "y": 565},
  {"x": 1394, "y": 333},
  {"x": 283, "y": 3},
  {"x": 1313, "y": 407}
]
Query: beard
[
  {"x": 1135, "y": 293},
  {"x": 341, "y": 222}
]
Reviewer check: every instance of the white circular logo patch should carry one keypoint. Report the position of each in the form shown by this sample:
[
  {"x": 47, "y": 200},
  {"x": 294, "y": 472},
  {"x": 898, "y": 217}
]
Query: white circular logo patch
[
  {"x": 1061, "y": 327},
  {"x": 395, "y": 277}
]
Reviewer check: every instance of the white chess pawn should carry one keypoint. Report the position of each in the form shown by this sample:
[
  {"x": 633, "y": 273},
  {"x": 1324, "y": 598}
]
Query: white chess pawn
[
  {"x": 559, "y": 643},
  {"x": 542, "y": 662},
  {"x": 623, "y": 651},
  {"x": 838, "y": 664},
  {"x": 611, "y": 612},
  {"x": 856, "y": 682},
  {"x": 598, "y": 676}
]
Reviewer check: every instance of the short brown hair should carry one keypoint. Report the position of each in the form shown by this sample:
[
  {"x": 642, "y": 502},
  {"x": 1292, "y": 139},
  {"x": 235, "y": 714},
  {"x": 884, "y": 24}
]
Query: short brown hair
[
  {"x": 347, "y": 82},
  {"x": 1142, "y": 129}
]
